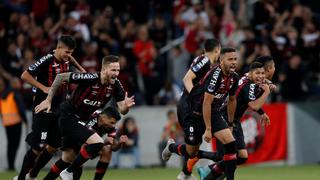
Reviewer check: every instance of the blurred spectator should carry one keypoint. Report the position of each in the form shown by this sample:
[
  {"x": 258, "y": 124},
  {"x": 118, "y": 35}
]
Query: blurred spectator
[
  {"x": 145, "y": 52},
  {"x": 168, "y": 95},
  {"x": 292, "y": 78},
  {"x": 89, "y": 60},
  {"x": 12, "y": 113},
  {"x": 129, "y": 128},
  {"x": 12, "y": 62},
  {"x": 173, "y": 130},
  {"x": 178, "y": 61}
]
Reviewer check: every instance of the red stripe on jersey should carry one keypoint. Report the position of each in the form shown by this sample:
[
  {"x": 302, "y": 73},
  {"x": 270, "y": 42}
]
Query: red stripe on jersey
[
  {"x": 50, "y": 74},
  {"x": 55, "y": 169},
  {"x": 82, "y": 97},
  {"x": 241, "y": 87},
  {"x": 229, "y": 157}
]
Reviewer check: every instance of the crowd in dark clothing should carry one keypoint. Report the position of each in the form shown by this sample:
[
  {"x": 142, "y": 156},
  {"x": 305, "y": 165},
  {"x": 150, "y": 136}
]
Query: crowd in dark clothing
[{"x": 139, "y": 32}]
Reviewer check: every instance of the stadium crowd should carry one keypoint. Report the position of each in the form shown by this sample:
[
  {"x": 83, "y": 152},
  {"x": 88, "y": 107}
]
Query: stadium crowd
[{"x": 157, "y": 40}]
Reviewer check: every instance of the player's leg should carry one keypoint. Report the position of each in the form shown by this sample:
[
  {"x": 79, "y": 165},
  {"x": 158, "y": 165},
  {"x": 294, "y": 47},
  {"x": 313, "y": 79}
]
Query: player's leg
[
  {"x": 103, "y": 163},
  {"x": 53, "y": 144},
  {"x": 36, "y": 140}
]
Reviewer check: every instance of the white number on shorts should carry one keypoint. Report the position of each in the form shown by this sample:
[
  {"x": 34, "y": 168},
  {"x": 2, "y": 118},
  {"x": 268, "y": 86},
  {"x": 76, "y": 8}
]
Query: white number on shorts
[{"x": 191, "y": 129}]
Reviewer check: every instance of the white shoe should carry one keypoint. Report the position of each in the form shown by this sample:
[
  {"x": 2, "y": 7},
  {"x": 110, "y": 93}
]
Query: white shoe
[
  {"x": 65, "y": 175},
  {"x": 182, "y": 176},
  {"x": 30, "y": 178},
  {"x": 15, "y": 178},
  {"x": 166, "y": 154}
]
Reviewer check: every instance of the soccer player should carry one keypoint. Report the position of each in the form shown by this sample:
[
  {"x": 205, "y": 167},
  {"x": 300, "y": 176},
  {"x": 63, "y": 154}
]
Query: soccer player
[
  {"x": 252, "y": 92},
  {"x": 103, "y": 122},
  {"x": 44, "y": 138},
  {"x": 269, "y": 68},
  {"x": 198, "y": 69},
  {"x": 220, "y": 82},
  {"x": 94, "y": 91}
]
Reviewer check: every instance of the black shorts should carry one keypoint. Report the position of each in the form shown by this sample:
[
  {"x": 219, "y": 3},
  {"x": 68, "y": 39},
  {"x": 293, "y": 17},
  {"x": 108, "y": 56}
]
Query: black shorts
[
  {"x": 45, "y": 130},
  {"x": 218, "y": 121},
  {"x": 192, "y": 125},
  {"x": 73, "y": 130}
]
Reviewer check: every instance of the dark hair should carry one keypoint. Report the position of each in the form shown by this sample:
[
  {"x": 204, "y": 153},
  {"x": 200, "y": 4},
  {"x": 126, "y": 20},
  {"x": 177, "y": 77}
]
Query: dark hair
[
  {"x": 255, "y": 65},
  {"x": 110, "y": 59},
  {"x": 211, "y": 44},
  {"x": 264, "y": 60},
  {"x": 68, "y": 41},
  {"x": 112, "y": 112},
  {"x": 227, "y": 50},
  {"x": 125, "y": 131}
]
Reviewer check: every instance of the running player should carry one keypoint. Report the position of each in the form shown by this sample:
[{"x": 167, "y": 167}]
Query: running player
[
  {"x": 252, "y": 92},
  {"x": 220, "y": 82},
  {"x": 94, "y": 91},
  {"x": 198, "y": 69},
  {"x": 44, "y": 138},
  {"x": 102, "y": 122}
]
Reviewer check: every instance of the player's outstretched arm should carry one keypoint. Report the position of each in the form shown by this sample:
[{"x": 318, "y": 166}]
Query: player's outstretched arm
[
  {"x": 187, "y": 80},
  {"x": 46, "y": 104}
]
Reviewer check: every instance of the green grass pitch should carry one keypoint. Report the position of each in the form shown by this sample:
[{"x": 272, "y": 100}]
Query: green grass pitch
[{"x": 310, "y": 172}]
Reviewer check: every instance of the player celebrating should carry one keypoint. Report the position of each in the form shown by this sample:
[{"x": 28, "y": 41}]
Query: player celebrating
[
  {"x": 220, "y": 82},
  {"x": 252, "y": 93},
  {"x": 45, "y": 124},
  {"x": 103, "y": 123},
  {"x": 200, "y": 66},
  {"x": 94, "y": 91}
]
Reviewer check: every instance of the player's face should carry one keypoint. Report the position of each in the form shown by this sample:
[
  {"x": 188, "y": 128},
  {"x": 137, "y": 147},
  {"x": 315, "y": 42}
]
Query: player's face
[
  {"x": 270, "y": 71},
  {"x": 229, "y": 62},
  {"x": 258, "y": 75},
  {"x": 64, "y": 52},
  {"x": 110, "y": 72},
  {"x": 106, "y": 121}
]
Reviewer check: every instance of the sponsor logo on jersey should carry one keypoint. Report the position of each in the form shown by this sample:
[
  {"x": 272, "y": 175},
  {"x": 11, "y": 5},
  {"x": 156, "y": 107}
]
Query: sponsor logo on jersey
[
  {"x": 76, "y": 76},
  {"x": 251, "y": 92},
  {"x": 200, "y": 64},
  {"x": 214, "y": 79},
  {"x": 92, "y": 103},
  {"x": 33, "y": 66}
]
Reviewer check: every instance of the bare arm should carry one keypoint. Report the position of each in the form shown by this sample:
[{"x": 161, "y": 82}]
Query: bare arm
[
  {"x": 206, "y": 108},
  {"x": 126, "y": 104},
  {"x": 27, "y": 77},
  {"x": 60, "y": 78},
  {"x": 187, "y": 80},
  {"x": 73, "y": 61},
  {"x": 232, "y": 105}
]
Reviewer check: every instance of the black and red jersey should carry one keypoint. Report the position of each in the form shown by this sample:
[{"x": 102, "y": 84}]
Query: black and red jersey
[
  {"x": 247, "y": 91},
  {"x": 200, "y": 67},
  {"x": 45, "y": 70},
  {"x": 216, "y": 83},
  {"x": 91, "y": 94},
  {"x": 92, "y": 124}
]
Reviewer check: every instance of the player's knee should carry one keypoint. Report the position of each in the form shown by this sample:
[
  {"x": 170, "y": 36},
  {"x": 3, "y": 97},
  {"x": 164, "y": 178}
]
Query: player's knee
[
  {"x": 230, "y": 148},
  {"x": 93, "y": 149},
  {"x": 241, "y": 160}
]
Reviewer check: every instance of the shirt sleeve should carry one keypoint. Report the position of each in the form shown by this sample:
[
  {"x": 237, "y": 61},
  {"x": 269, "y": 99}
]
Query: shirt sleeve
[
  {"x": 82, "y": 78},
  {"x": 249, "y": 92},
  {"x": 119, "y": 92},
  {"x": 40, "y": 65},
  {"x": 200, "y": 66}
]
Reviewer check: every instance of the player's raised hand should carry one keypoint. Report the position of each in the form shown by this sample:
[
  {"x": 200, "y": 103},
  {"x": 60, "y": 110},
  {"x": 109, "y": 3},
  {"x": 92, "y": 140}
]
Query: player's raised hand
[
  {"x": 123, "y": 139},
  {"x": 265, "y": 87},
  {"x": 44, "y": 105},
  {"x": 207, "y": 135},
  {"x": 265, "y": 120},
  {"x": 129, "y": 101}
]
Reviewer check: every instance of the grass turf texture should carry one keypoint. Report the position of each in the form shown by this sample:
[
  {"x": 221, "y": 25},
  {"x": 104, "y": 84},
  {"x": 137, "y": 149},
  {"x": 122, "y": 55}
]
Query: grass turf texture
[{"x": 310, "y": 172}]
